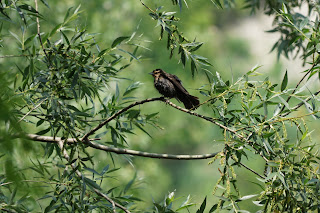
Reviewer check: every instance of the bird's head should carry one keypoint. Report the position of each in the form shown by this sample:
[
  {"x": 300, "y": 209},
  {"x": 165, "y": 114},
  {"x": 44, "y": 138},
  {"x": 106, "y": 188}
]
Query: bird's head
[{"x": 156, "y": 73}]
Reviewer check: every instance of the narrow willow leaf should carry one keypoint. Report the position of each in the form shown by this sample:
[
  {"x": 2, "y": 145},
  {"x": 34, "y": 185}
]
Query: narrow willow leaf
[
  {"x": 183, "y": 58},
  {"x": 119, "y": 40},
  {"x": 203, "y": 206},
  {"x": 217, "y": 3},
  {"x": 284, "y": 81},
  {"x": 248, "y": 197}
]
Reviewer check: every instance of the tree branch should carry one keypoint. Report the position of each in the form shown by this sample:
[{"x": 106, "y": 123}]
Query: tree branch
[
  {"x": 38, "y": 29},
  {"x": 32, "y": 110},
  {"x": 163, "y": 100},
  {"x": 295, "y": 89},
  {"x": 299, "y": 105},
  {"x": 251, "y": 170},
  {"x": 90, "y": 143},
  {"x": 119, "y": 113},
  {"x": 15, "y": 56},
  {"x": 113, "y": 203},
  {"x": 205, "y": 118}
]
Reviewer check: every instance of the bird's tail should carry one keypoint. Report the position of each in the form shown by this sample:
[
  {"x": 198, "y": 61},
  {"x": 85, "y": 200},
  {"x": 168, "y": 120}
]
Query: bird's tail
[{"x": 189, "y": 101}]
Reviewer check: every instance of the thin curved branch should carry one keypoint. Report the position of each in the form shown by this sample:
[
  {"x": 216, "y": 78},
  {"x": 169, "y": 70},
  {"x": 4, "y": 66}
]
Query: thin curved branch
[
  {"x": 299, "y": 105},
  {"x": 295, "y": 89},
  {"x": 38, "y": 29},
  {"x": 205, "y": 118},
  {"x": 119, "y": 113},
  {"x": 90, "y": 143},
  {"x": 91, "y": 132},
  {"x": 251, "y": 170},
  {"x": 113, "y": 203},
  {"x": 32, "y": 110},
  {"x": 14, "y": 56}
]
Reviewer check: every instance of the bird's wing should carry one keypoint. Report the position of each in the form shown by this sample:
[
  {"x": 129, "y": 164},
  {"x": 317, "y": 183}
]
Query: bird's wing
[{"x": 176, "y": 82}]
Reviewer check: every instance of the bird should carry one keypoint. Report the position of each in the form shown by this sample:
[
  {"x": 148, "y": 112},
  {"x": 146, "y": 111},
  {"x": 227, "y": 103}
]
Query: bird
[{"x": 170, "y": 86}]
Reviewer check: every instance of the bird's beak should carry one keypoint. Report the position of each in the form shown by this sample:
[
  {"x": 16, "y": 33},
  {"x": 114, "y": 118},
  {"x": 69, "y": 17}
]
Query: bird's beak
[{"x": 151, "y": 73}]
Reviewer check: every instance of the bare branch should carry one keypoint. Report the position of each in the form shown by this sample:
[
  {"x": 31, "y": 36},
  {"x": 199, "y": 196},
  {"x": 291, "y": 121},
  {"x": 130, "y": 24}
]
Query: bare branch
[
  {"x": 150, "y": 155},
  {"x": 295, "y": 89},
  {"x": 251, "y": 170},
  {"x": 32, "y": 110},
  {"x": 205, "y": 118},
  {"x": 38, "y": 29},
  {"x": 114, "y": 204},
  {"x": 119, "y": 113},
  {"x": 15, "y": 56},
  {"x": 299, "y": 105},
  {"x": 49, "y": 139},
  {"x": 163, "y": 100}
]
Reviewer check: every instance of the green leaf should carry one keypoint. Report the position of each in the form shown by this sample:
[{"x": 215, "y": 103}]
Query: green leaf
[
  {"x": 91, "y": 183},
  {"x": 45, "y": 3},
  {"x": 284, "y": 8},
  {"x": 13, "y": 194},
  {"x": 42, "y": 132},
  {"x": 183, "y": 58},
  {"x": 119, "y": 40},
  {"x": 197, "y": 47},
  {"x": 16, "y": 36},
  {"x": 193, "y": 66},
  {"x": 21, "y": 14},
  {"x": 248, "y": 197},
  {"x": 128, "y": 186},
  {"x": 213, "y": 208},
  {"x": 148, "y": 117},
  {"x": 217, "y": 3},
  {"x": 284, "y": 81},
  {"x": 129, "y": 53},
  {"x": 28, "y": 40},
  {"x": 140, "y": 127},
  {"x": 132, "y": 87},
  {"x": 28, "y": 8},
  {"x": 203, "y": 206},
  {"x": 54, "y": 30},
  {"x": 303, "y": 23}
]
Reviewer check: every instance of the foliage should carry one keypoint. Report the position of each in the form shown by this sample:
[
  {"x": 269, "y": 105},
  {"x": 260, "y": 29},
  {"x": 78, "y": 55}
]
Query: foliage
[{"x": 67, "y": 87}]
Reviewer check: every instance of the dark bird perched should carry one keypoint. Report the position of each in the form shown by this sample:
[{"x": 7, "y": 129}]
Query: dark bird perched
[{"x": 170, "y": 86}]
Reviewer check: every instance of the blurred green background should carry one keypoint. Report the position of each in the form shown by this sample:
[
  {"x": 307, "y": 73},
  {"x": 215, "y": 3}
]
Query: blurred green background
[{"x": 234, "y": 42}]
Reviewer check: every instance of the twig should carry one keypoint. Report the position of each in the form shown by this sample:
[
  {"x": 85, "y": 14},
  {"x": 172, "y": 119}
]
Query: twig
[
  {"x": 205, "y": 118},
  {"x": 32, "y": 110},
  {"x": 147, "y": 7},
  {"x": 49, "y": 139},
  {"x": 299, "y": 105},
  {"x": 14, "y": 56},
  {"x": 113, "y": 203},
  {"x": 38, "y": 29},
  {"x": 295, "y": 89},
  {"x": 163, "y": 100},
  {"x": 251, "y": 170},
  {"x": 7, "y": 183}
]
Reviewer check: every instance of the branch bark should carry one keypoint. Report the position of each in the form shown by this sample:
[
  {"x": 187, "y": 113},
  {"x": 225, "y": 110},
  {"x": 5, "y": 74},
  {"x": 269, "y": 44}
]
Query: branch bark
[
  {"x": 90, "y": 143},
  {"x": 119, "y": 113}
]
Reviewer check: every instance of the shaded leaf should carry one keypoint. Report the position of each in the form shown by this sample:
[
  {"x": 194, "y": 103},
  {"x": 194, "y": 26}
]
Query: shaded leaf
[
  {"x": 284, "y": 81},
  {"x": 119, "y": 40}
]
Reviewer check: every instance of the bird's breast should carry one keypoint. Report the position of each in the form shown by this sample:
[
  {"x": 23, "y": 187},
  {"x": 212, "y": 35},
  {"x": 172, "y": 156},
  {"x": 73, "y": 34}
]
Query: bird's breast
[{"x": 165, "y": 87}]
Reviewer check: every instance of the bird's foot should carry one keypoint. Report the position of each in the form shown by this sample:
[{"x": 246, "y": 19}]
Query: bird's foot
[{"x": 166, "y": 100}]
